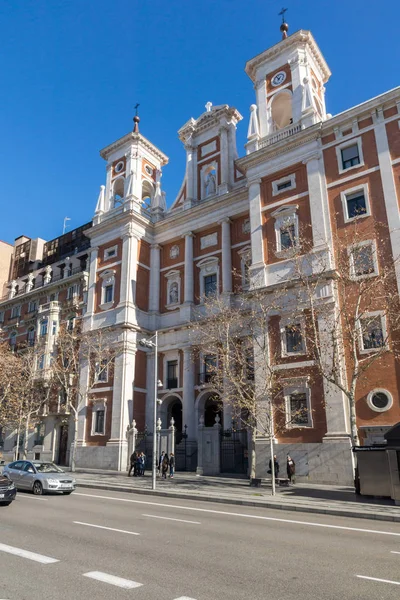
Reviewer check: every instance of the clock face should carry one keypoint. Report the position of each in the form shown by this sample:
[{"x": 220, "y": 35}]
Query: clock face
[
  {"x": 278, "y": 79},
  {"x": 119, "y": 166}
]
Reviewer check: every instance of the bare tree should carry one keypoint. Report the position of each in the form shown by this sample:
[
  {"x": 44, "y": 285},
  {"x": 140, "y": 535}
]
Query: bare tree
[
  {"x": 75, "y": 351},
  {"x": 241, "y": 338},
  {"x": 348, "y": 293},
  {"x": 9, "y": 368}
]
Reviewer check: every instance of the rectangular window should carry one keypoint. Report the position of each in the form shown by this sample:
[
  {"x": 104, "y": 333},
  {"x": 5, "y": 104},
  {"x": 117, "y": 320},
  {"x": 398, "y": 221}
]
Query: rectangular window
[
  {"x": 15, "y": 312},
  {"x": 43, "y": 327},
  {"x": 299, "y": 413},
  {"x": 32, "y": 306},
  {"x": 110, "y": 253},
  {"x": 41, "y": 362},
  {"x": 54, "y": 328},
  {"x": 363, "y": 260},
  {"x": 31, "y": 337},
  {"x": 210, "y": 367},
  {"x": 372, "y": 332},
  {"x": 108, "y": 293},
  {"x": 70, "y": 292},
  {"x": 210, "y": 285},
  {"x": 356, "y": 205},
  {"x": 99, "y": 422},
  {"x": 2, "y": 316},
  {"x": 294, "y": 339},
  {"x": 350, "y": 156},
  {"x": 288, "y": 237},
  {"x": 250, "y": 365},
  {"x": 284, "y": 185},
  {"x": 102, "y": 371},
  {"x": 172, "y": 374}
]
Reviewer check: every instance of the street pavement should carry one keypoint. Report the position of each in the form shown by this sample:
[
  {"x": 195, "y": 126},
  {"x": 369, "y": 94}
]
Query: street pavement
[
  {"x": 105, "y": 544},
  {"x": 302, "y": 497}
]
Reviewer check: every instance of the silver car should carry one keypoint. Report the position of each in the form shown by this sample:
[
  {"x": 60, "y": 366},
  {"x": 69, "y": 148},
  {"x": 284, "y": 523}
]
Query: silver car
[{"x": 39, "y": 476}]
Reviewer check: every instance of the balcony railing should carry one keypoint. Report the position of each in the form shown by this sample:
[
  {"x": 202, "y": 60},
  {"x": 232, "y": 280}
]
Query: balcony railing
[
  {"x": 40, "y": 284},
  {"x": 279, "y": 135}
]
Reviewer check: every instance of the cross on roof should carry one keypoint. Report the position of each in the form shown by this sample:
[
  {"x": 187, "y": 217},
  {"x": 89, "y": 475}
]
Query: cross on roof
[
  {"x": 208, "y": 106},
  {"x": 283, "y": 14}
]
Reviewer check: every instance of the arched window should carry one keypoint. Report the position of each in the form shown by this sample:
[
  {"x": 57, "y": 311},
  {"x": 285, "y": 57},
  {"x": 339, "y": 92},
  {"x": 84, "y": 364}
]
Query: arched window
[
  {"x": 118, "y": 191},
  {"x": 147, "y": 194},
  {"x": 281, "y": 110}
]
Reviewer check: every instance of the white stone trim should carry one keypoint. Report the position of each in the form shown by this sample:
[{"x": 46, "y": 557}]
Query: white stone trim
[
  {"x": 379, "y": 391},
  {"x": 285, "y": 216},
  {"x": 170, "y": 356},
  {"x": 203, "y": 256},
  {"x": 98, "y": 404},
  {"x": 352, "y": 177},
  {"x": 353, "y": 273},
  {"x": 372, "y": 314},
  {"x": 294, "y": 365},
  {"x": 286, "y": 321},
  {"x": 209, "y": 240},
  {"x": 288, "y": 178},
  {"x": 113, "y": 249},
  {"x": 245, "y": 258},
  {"x": 173, "y": 283},
  {"x": 285, "y": 201},
  {"x": 208, "y": 266},
  {"x": 350, "y": 142},
  {"x": 363, "y": 187},
  {"x": 297, "y": 385},
  {"x": 108, "y": 278}
]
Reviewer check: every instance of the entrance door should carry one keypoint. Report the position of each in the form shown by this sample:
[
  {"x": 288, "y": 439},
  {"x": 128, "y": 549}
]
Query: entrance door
[{"x": 63, "y": 445}]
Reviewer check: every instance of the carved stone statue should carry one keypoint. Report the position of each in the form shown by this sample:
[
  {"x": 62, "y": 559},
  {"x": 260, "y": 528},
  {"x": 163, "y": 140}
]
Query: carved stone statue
[
  {"x": 173, "y": 293},
  {"x": 211, "y": 184}
]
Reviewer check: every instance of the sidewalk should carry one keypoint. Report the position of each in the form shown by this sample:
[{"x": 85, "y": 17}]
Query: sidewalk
[{"x": 323, "y": 499}]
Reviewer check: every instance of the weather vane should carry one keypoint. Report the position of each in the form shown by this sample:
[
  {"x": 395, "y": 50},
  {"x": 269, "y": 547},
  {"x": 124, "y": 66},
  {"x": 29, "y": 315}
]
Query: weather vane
[
  {"x": 136, "y": 108},
  {"x": 283, "y": 14},
  {"x": 136, "y": 119}
]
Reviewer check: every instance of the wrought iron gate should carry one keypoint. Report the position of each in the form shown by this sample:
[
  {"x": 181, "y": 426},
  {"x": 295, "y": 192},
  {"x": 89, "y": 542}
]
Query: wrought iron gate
[{"x": 234, "y": 453}]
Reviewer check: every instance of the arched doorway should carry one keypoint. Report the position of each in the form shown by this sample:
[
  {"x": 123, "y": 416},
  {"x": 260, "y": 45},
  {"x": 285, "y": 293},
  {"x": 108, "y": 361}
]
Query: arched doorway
[
  {"x": 175, "y": 412},
  {"x": 212, "y": 408}
]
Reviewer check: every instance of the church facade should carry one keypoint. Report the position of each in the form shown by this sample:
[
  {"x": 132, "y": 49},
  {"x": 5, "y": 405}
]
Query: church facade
[{"x": 140, "y": 267}]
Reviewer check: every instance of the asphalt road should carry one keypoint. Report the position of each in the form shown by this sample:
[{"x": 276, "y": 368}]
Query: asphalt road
[{"x": 84, "y": 546}]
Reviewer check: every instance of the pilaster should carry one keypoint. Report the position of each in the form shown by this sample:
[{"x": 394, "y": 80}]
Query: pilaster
[
  {"x": 91, "y": 295},
  {"x": 318, "y": 198},
  {"x": 189, "y": 287},
  {"x": 188, "y": 413},
  {"x": 154, "y": 296},
  {"x": 226, "y": 255},
  {"x": 257, "y": 269},
  {"x": 128, "y": 270}
]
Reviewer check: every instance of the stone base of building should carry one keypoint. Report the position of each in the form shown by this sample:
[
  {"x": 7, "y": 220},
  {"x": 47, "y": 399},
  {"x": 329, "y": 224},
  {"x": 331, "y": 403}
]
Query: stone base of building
[
  {"x": 324, "y": 463},
  {"x": 99, "y": 457}
]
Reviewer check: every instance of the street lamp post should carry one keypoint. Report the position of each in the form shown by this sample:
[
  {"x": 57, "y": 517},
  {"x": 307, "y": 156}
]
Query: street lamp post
[{"x": 148, "y": 343}]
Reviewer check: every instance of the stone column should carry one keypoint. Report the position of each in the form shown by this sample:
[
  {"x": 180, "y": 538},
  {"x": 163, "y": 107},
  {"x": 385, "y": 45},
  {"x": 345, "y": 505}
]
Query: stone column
[
  {"x": 94, "y": 253},
  {"x": 154, "y": 296},
  {"x": 223, "y": 186},
  {"x": 124, "y": 374},
  {"x": 188, "y": 412},
  {"x": 226, "y": 256},
  {"x": 320, "y": 220},
  {"x": 389, "y": 187},
  {"x": 129, "y": 270},
  {"x": 257, "y": 269},
  {"x": 189, "y": 288}
]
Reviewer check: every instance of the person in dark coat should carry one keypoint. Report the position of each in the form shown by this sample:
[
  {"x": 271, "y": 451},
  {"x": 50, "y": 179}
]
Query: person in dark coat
[
  {"x": 133, "y": 464},
  {"x": 276, "y": 467},
  {"x": 164, "y": 466},
  {"x": 171, "y": 465},
  {"x": 160, "y": 461},
  {"x": 291, "y": 469}
]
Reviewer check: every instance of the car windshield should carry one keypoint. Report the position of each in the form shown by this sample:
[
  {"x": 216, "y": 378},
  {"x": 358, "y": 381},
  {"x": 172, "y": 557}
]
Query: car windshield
[{"x": 47, "y": 468}]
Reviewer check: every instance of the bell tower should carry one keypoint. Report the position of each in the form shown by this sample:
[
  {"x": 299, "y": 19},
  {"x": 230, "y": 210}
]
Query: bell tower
[
  {"x": 133, "y": 181},
  {"x": 289, "y": 82}
]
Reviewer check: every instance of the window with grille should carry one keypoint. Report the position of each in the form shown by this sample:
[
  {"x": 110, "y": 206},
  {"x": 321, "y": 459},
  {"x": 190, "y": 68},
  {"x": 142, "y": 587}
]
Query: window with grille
[
  {"x": 172, "y": 374},
  {"x": 299, "y": 409},
  {"x": 210, "y": 285},
  {"x": 372, "y": 333},
  {"x": 294, "y": 338}
]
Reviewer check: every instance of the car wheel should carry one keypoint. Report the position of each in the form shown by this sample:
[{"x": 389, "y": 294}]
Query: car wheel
[
  {"x": 67, "y": 493},
  {"x": 37, "y": 488}
]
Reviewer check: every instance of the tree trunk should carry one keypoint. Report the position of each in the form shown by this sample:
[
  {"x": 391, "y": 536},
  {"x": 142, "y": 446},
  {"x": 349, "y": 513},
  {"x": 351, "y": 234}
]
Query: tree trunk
[
  {"x": 27, "y": 422},
  {"x": 355, "y": 440},
  {"x": 73, "y": 455},
  {"x": 273, "y": 482},
  {"x": 253, "y": 454}
]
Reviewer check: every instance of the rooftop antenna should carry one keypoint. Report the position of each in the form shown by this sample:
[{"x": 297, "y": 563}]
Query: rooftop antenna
[
  {"x": 284, "y": 26},
  {"x": 136, "y": 119},
  {"x": 65, "y": 223}
]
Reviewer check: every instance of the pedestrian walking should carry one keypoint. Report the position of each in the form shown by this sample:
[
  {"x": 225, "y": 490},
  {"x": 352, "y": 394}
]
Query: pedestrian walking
[
  {"x": 138, "y": 465},
  {"x": 164, "y": 466},
  {"x": 291, "y": 469},
  {"x": 171, "y": 465},
  {"x": 143, "y": 463},
  {"x": 160, "y": 460},
  {"x": 276, "y": 467},
  {"x": 133, "y": 463}
]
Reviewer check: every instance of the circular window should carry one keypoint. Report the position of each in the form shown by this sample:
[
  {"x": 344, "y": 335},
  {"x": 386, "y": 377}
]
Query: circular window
[
  {"x": 148, "y": 170},
  {"x": 380, "y": 400},
  {"x": 119, "y": 166}
]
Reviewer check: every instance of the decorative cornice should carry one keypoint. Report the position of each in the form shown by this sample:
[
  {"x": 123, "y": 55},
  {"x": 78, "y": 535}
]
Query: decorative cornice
[
  {"x": 208, "y": 120},
  {"x": 137, "y": 138}
]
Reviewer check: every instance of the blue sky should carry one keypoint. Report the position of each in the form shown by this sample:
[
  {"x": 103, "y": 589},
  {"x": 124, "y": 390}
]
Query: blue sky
[{"x": 72, "y": 70}]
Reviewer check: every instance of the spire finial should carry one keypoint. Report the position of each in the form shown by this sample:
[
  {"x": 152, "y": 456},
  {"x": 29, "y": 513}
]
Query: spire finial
[
  {"x": 136, "y": 119},
  {"x": 208, "y": 106},
  {"x": 284, "y": 26}
]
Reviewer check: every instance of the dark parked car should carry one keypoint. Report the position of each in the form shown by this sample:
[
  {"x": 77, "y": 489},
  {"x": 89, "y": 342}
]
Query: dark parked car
[
  {"x": 39, "y": 477},
  {"x": 8, "y": 491}
]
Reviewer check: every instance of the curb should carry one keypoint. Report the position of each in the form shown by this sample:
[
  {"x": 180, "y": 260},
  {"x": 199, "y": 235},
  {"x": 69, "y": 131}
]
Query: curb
[{"x": 239, "y": 502}]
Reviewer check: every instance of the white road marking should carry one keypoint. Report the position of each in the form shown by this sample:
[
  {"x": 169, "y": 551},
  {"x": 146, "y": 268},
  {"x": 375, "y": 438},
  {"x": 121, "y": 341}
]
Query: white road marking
[
  {"x": 46, "y": 560},
  {"x": 127, "y": 584},
  {"x": 244, "y": 515},
  {"x": 102, "y": 527},
  {"x": 19, "y": 496},
  {"x": 171, "y": 519},
  {"x": 379, "y": 580},
  {"x": 394, "y": 552},
  {"x": 184, "y": 598}
]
